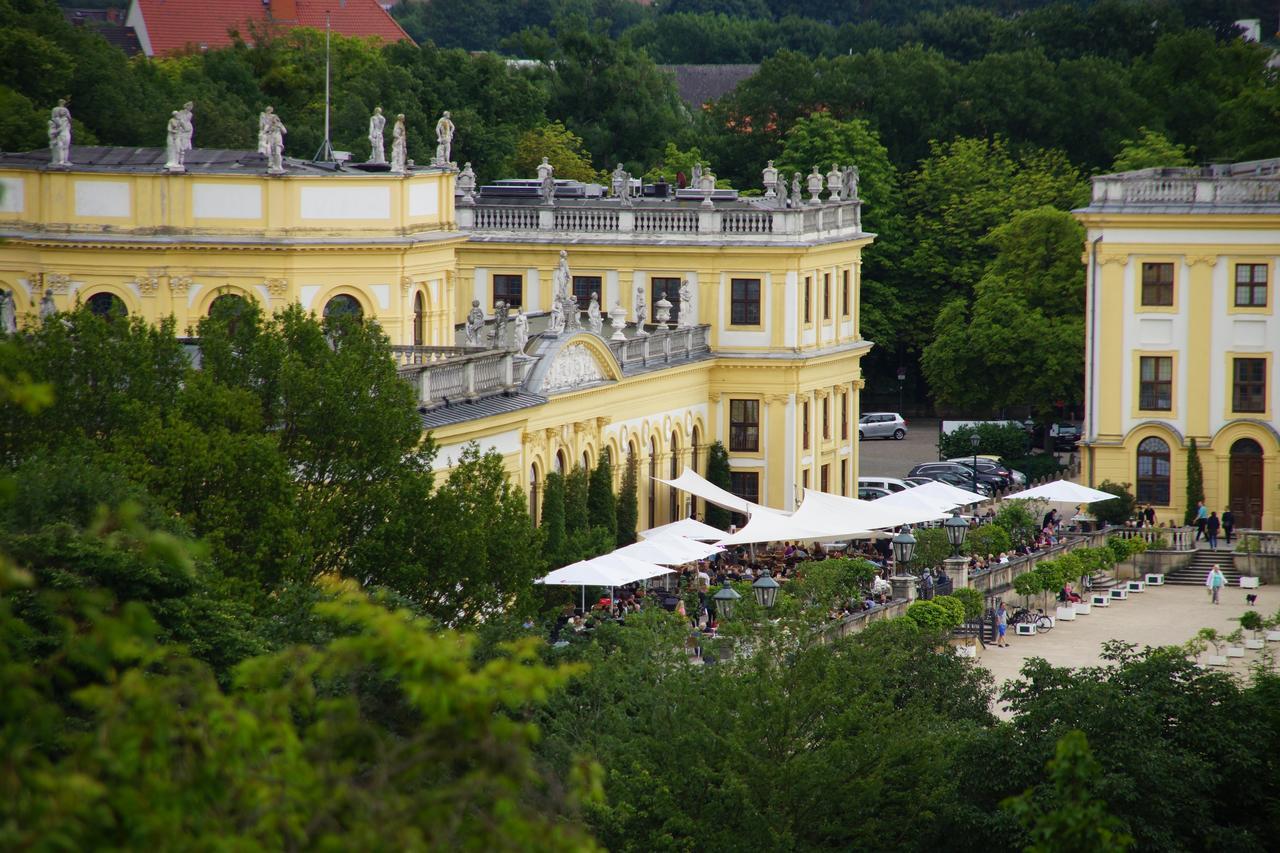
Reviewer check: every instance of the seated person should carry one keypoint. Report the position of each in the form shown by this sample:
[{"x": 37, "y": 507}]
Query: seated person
[{"x": 1068, "y": 595}]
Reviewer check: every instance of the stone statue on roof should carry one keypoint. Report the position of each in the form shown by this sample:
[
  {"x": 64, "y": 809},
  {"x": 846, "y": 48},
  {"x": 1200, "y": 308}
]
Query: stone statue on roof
[
  {"x": 173, "y": 144},
  {"x": 275, "y": 144},
  {"x": 466, "y": 184},
  {"x": 188, "y": 116},
  {"x": 641, "y": 308},
  {"x": 687, "y": 318},
  {"x": 618, "y": 181},
  {"x": 850, "y": 183},
  {"x": 399, "y": 145},
  {"x": 797, "y": 197},
  {"x": 444, "y": 140},
  {"x": 264, "y": 130},
  {"x": 521, "y": 335},
  {"x": 815, "y": 186},
  {"x": 500, "y": 324},
  {"x": 377, "y": 123},
  {"x": 770, "y": 177},
  {"x": 474, "y": 327},
  {"x": 60, "y": 135},
  {"x": 556, "y": 324},
  {"x": 835, "y": 182},
  {"x": 594, "y": 318}
]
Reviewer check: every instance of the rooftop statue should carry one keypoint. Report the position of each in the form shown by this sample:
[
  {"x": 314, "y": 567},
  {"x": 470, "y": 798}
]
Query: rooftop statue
[
  {"x": 399, "y": 145},
  {"x": 60, "y": 135},
  {"x": 377, "y": 122},
  {"x": 521, "y": 335},
  {"x": 444, "y": 140},
  {"x": 264, "y": 131},
  {"x": 475, "y": 324},
  {"x": 275, "y": 132}
]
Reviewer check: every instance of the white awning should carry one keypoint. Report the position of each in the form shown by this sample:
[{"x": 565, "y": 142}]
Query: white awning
[
  {"x": 841, "y": 516},
  {"x": 690, "y": 528},
  {"x": 695, "y": 484},
  {"x": 669, "y": 550},
  {"x": 767, "y": 526},
  {"x": 1064, "y": 491},
  {"x": 942, "y": 496},
  {"x": 606, "y": 570}
]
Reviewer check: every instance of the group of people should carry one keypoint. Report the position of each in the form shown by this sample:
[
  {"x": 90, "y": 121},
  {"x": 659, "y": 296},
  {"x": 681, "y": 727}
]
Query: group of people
[{"x": 1208, "y": 525}]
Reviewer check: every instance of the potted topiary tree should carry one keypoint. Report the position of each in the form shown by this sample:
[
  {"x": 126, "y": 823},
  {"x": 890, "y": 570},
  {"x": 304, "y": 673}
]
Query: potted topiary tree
[
  {"x": 1213, "y": 638},
  {"x": 1252, "y": 622},
  {"x": 1235, "y": 643}
]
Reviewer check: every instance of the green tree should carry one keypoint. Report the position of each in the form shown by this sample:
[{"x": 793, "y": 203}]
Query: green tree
[
  {"x": 988, "y": 539},
  {"x": 554, "y": 526},
  {"x": 1116, "y": 511},
  {"x": 577, "y": 488},
  {"x": 602, "y": 506},
  {"x": 1149, "y": 149},
  {"x": 1195, "y": 483},
  {"x": 932, "y": 547},
  {"x": 718, "y": 474},
  {"x": 628, "y": 513},
  {"x": 1018, "y": 518},
  {"x": 562, "y": 149}
]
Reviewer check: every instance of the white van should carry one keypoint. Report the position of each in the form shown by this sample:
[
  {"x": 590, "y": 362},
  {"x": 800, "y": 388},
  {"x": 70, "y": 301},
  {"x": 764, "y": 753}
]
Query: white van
[{"x": 889, "y": 484}]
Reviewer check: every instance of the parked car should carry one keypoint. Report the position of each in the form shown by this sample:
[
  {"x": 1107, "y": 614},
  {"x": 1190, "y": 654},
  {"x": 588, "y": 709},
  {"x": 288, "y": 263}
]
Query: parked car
[
  {"x": 882, "y": 425},
  {"x": 871, "y": 493},
  {"x": 964, "y": 481},
  {"x": 1019, "y": 478},
  {"x": 889, "y": 484},
  {"x": 1065, "y": 436},
  {"x": 917, "y": 481},
  {"x": 987, "y": 466},
  {"x": 932, "y": 469}
]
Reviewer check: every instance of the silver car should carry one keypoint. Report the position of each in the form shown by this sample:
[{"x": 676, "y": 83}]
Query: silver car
[{"x": 882, "y": 425}]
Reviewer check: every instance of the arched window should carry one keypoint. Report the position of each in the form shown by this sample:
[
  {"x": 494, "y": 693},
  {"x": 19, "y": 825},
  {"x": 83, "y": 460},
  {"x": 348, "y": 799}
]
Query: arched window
[
  {"x": 419, "y": 320},
  {"x": 1153, "y": 471},
  {"x": 562, "y": 464},
  {"x": 586, "y": 461},
  {"x": 343, "y": 305},
  {"x": 107, "y": 305},
  {"x": 534, "y": 486},
  {"x": 653, "y": 490},
  {"x": 229, "y": 307}
]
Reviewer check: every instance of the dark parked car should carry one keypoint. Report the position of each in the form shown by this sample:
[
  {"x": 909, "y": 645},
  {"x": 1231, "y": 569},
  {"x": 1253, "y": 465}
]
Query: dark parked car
[
  {"x": 932, "y": 470},
  {"x": 988, "y": 466}
]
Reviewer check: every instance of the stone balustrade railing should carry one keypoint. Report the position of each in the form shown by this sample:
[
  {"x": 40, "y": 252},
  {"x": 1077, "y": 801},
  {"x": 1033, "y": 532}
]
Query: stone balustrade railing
[
  {"x": 1183, "y": 186},
  {"x": 1168, "y": 538},
  {"x": 660, "y": 347},
  {"x": 447, "y": 374},
  {"x": 740, "y": 223},
  {"x": 1268, "y": 541}
]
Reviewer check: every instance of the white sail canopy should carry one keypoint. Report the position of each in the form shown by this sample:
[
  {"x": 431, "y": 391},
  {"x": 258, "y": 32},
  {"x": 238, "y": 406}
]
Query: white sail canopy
[
  {"x": 669, "y": 550},
  {"x": 690, "y": 528},
  {"x": 1065, "y": 491},
  {"x": 695, "y": 484}
]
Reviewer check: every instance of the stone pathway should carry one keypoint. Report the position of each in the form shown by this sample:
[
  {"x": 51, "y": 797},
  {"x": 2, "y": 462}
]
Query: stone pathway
[{"x": 1161, "y": 616}]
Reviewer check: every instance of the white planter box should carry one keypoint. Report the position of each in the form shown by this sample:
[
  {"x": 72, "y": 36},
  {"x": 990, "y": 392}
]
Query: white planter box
[
  {"x": 1254, "y": 644},
  {"x": 1022, "y": 629},
  {"x": 1249, "y": 583},
  {"x": 966, "y": 651},
  {"x": 1119, "y": 594},
  {"x": 1083, "y": 608},
  {"x": 1100, "y": 601},
  {"x": 1273, "y": 636},
  {"x": 1067, "y": 614},
  {"x": 1217, "y": 660},
  {"x": 1136, "y": 586},
  {"x": 1235, "y": 651},
  {"x": 1153, "y": 580}
]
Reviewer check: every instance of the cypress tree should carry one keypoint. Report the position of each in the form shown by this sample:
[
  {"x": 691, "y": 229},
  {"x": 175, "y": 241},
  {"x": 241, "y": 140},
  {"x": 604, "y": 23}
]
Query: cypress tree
[
  {"x": 602, "y": 507},
  {"x": 628, "y": 513},
  {"x": 718, "y": 473},
  {"x": 576, "y": 486},
  {"x": 1195, "y": 483},
  {"x": 553, "y": 545}
]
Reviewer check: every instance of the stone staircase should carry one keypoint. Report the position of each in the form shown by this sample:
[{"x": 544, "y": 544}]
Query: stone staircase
[{"x": 1195, "y": 573}]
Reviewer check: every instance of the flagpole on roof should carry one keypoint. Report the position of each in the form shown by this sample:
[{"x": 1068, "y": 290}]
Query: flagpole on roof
[{"x": 325, "y": 154}]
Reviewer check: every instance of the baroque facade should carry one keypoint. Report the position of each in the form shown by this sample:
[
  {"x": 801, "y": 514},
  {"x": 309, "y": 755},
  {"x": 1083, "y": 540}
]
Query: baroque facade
[
  {"x": 766, "y": 357},
  {"x": 1182, "y": 336}
]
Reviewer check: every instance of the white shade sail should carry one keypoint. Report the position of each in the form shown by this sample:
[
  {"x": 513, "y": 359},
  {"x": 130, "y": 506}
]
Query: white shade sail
[
  {"x": 690, "y": 528},
  {"x": 942, "y": 497},
  {"x": 841, "y": 516},
  {"x": 767, "y": 526},
  {"x": 695, "y": 484},
  {"x": 607, "y": 570},
  {"x": 669, "y": 550},
  {"x": 1064, "y": 491}
]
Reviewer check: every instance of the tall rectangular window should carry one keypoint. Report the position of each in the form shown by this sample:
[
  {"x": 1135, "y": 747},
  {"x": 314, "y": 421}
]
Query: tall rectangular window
[
  {"x": 1155, "y": 388},
  {"x": 1157, "y": 284},
  {"x": 826, "y": 420},
  {"x": 844, "y": 293},
  {"x": 669, "y": 287},
  {"x": 804, "y": 423},
  {"x": 804, "y": 478},
  {"x": 808, "y": 299},
  {"x": 744, "y": 306},
  {"x": 510, "y": 289},
  {"x": 1249, "y": 385},
  {"x": 744, "y": 426},
  {"x": 583, "y": 287},
  {"x": 746, "y": 485},
  {"x": 844, "y": 477},
  {"x": 1251, "y": 285},
  {"x": 844, "y": 416},
  {"x": 824, "y": 479},
  {"x": 826, "y": 299}
]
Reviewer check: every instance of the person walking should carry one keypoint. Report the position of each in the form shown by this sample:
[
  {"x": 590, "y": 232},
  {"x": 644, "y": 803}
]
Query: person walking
[
  {"x": 1002, "y": 625},
  {"x": 1228, "y": 523},
  {"x": 1150, "y": 515},
  {"x": 1211, "y": 528},
  {"x": 1215, "y": 582},
  {"x": 1202, "y": 517}
]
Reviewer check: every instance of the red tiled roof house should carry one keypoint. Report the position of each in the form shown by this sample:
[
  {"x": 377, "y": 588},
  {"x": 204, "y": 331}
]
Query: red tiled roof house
[{"x": 170, "y": 26}]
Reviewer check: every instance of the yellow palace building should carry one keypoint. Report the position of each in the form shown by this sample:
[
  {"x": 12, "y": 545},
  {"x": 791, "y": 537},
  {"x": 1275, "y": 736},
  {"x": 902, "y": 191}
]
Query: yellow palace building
[
  {"x": 1182, "y": 336},
  {"x": 760, "y": 349}
]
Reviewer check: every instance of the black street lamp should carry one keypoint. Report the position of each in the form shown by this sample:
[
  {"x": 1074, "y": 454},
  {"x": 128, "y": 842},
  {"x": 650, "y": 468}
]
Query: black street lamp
[
  {"x": 765, "y": 589},
  {"x": 975, "y": 440},
  {"x": 956, "y": 528},
  {"x": 724, "y": 599},
  {"x": 904, "y": 548}
]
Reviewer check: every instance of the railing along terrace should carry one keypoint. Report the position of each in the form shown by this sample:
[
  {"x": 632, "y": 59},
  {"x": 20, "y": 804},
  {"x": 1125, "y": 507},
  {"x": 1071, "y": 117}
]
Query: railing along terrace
[
  {"x": 448, "y": 374},
  {"x": 1268, "y": 541},
  {"x": 1174, "y": 538},
  {"x": 1184, "y": 188},
  {"x": 659, "y": 347},
  {"x": 743, "y": 221}
]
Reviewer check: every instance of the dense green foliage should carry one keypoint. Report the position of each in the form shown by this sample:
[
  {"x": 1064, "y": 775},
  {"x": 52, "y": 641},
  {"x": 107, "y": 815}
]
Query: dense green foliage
[
  {"x": 1116, "y": 511},
  {"x": 719, "y": 475},
  {"x": 1195, "y": 483},
  {"x": 1008, "y": 441}
]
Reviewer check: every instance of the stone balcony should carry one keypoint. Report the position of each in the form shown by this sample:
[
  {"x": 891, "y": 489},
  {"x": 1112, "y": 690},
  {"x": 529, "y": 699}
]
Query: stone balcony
[
  {"x": 746, "y": 222},
  {"x": 1238, "y": 187}
]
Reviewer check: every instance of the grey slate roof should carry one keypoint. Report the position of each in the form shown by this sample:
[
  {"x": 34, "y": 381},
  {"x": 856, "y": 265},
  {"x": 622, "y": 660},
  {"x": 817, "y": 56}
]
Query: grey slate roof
[
  {"x": 484, "y": 407},
  {"x": 123, "y": 158}
]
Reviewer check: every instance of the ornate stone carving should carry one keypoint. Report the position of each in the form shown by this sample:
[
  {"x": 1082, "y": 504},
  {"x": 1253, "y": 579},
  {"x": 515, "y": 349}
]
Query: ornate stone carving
[
  {"x": 574, "y": 367},
  {"x": 444, "y": 140},
  {"x": 770, "y": 178},
  {"x": 688, "y": 316},
  {"x": 1112, "y": 258},
  {"x": 377, "y": 122},
  {"x": 399, "y": 145},
  {"x": 777, "y": 399},
  {"x": 405, "y": 284},
  {"x": 147, "y": 285},
  {"x": 277, "y": 287},
  {"x": 60, "y": 135},
  {"x": 520, "y": 336},
  {"x": 47, "y": 308},
  {"x": 8, "y": 313},
  {"x": 663, "y": 306},
  {"x": 57, "y": 282},
  {"x": 1196, "y": 260},
  {"x": 500, "y": 324},
  {"x": 475, "y": 324},
  {"x": 594, "y": 319},
  {"x": 180, "y": 283}
]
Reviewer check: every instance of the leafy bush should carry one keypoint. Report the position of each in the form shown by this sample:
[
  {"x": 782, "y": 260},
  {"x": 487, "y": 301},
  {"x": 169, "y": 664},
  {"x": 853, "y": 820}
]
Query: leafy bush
[
  {"x": 1028, "y": 584},
  {"x": 1122, "y": 549},
  {"x": 932, "y": 547},
  {"x": 1036, "y": 467},
  {"x": 1008, "y": 441},
  {"x": 1252, "y": 621},
  {"x": 1116, "y": 511},
  {"x": 972, "y": 601},
  {"x": 930, "y": 616},
  {"x": 955, "y": 608},
  {"x": 988, "y": 539},
  {"x": 1019, "y": 520}
]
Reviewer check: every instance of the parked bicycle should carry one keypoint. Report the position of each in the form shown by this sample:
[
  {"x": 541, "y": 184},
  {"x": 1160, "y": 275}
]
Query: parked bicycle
[{"x": 1023, "y": 616}]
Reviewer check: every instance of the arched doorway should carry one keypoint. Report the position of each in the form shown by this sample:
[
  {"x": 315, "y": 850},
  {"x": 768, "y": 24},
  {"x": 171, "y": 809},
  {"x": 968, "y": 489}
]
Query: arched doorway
[
  {"x": 343, "y": 305},
  {"x": 419, "y": 320},
  {"x": 107, "y": 305},
  {"x": 1246, "y": 483}
]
